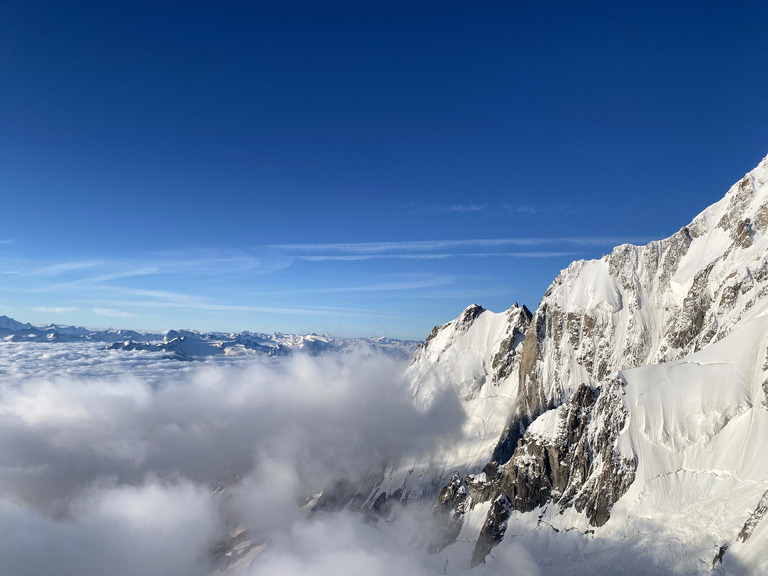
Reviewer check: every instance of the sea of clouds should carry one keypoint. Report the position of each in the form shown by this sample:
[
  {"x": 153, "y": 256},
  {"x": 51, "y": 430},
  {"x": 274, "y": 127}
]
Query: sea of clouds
[{"x": 130, "y": 463}]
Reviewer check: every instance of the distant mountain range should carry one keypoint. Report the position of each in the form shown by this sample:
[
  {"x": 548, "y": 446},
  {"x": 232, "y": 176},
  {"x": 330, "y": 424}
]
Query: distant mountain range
[{"x": 191, "y": 344}]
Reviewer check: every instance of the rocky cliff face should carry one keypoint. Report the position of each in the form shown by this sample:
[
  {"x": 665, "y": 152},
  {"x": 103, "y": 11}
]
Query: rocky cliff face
[
  {"x": 637, "y": 306},
  {"x": 476, "y": 358},
  {"x": 558, "y": 418},
  {"x": 479, "y": 348},
  {"x": 567, "y": 457},
  {"x": 648, "y": 304}
]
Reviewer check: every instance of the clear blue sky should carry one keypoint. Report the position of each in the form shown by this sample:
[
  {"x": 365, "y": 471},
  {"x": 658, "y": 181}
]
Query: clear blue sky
[{"x": 357, "y": 168}]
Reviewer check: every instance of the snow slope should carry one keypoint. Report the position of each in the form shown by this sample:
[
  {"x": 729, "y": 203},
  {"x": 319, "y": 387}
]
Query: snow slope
[
  {"x": 698, "y": 428},
  {"x": 631, "y": 413},
  {"x": 475, "y": 358}
]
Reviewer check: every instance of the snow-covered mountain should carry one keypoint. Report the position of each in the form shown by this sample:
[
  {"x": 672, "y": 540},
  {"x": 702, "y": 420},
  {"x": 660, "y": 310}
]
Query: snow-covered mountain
[
  {"x": 191, "y": 344},
  {"x": 14, "y": 331},
  {"x": 628, "y": 410},
  {"x": 9, "y": 325},
  {"x": 619, "y": 428}
]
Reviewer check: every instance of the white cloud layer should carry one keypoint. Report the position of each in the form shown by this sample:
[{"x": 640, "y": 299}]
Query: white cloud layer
[{"x": 109, "y": 461}]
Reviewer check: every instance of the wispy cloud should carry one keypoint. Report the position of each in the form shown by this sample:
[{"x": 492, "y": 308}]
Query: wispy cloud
[
  {"x": 520, "y": 209},
  {"x": 162, "y": 295},
  {"x": 438, "y": 256},
  {"x": 456, "y": 208},
  {"x": 102, "y": 278},
  {"x": 55, "y": 309},
  {"x": 216, "y": 307},
  {"x": 103, "y": 275},
  {"x": 7, "y": 241},
  {"x": 415, "y": 284},
  {"x": 231, "y": 284},
  {"x": 110, "y": 313},
  {"x": 508, "y": 208},
  {"x": 466, "y": 207},
  {"x": 62, "y": 268},
  {"x": 531, "y": 209},
  {"x": 445, "y": 248},
  {"x": 207, "y": 261}
]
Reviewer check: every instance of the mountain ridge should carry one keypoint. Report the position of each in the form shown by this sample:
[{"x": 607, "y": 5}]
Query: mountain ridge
[
  {"x": 600, "y": 329},
  {"x": 191, "y": 344}
]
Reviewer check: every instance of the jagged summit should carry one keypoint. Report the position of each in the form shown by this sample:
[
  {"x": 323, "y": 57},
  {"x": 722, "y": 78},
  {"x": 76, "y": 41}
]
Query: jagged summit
[
  {"x": 648, "y": 363},
  {"x": 648, "y": 304}
]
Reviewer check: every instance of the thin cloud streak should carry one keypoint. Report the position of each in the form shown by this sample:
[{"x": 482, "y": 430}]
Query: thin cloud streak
[
  {"x": 63, "y": 268},
  {"x": 234, "y": 261},
  {"x": 55, "y": 309},
  {"x": 531, "y": 210},
  {"x": 342, "y": 258},
  {"x": 146, "y": 271},
  {"x": 522, "y": 209},
  {"x": 364, "y": 248},
  {"x": 212, "y": 307},
  {"x": 170, "y": 264},
  {"x": 95, "y": 281},
  {"x": 384, "y": 287},
  {"x": 177, "y": 300},
  {"x": 466, "y": 207},
  {"x": 458, "y": 208}
]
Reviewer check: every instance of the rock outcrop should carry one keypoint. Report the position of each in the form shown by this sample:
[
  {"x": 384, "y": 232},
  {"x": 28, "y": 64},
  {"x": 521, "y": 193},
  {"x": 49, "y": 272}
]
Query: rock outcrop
[
  {"x": 549, "y": 430},
  {"x": 567, "y": 458},
  {"x": 638, "y": 305}
]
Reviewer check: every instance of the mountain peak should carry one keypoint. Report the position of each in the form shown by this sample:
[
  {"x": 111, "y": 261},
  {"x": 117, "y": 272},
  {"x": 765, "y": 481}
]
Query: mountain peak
[
  {"x": 8, "y": 323},
  {"x": 649, "y": 346},
  {"x": 469, "y": 315}
]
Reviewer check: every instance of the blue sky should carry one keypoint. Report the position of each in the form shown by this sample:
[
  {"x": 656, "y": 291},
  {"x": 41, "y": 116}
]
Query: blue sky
[{"x": 354, "y": 168}]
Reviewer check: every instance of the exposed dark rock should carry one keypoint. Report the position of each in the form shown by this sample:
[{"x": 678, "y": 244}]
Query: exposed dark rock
[
  {"x": 578, "y": 466},
  {"x": 469, "y": 315},
  {"x": 742, "y": 234},
  {"x": 462, "y": 323},
  {"x": 382, "y": 505},
  {"x": 435, "y": 331},
  {"x": 504, "y": 359},
  {"x": 688, "y": 324},
  {"x": 718, "y": 559},
  {"x": 754, "y": 519},
  {"x": 424, "y": 345},
  {"x": 532, "y": 400},
  {"x": 506, "y": 445},
  {"x": 765, "y": 394},
  {"x": 738, "y": 201},
  {"x": 761, "y": 218},
  {"x": 452, "y": 504},
  {"x": 493, "y": 529},
  {"x": 458, "y": 497}
]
